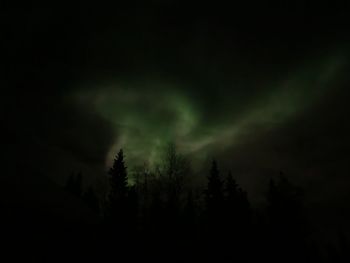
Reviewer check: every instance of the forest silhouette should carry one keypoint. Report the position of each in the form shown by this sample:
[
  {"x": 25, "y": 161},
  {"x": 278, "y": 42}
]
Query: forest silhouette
[{"x": 163, "y": 216}]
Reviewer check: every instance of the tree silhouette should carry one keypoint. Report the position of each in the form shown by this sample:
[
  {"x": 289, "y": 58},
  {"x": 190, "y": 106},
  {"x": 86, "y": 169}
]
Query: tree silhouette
[
  {"x": 214, "y": 200},
  {"x": 176, "y": 169},
  {"x": 231, "y": 206},
  {"x": 119, "y": 177},
  {"x": 236, "y": 218},
  {"x": 161, "y": 210},
  {"x": 287, "y": 221},
  {"x": 117, "y": 199},
  {"x": 214, "y": 193}
]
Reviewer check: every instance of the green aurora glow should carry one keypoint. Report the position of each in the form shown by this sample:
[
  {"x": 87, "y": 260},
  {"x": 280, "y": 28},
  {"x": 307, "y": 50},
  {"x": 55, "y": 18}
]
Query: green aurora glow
[{"x": 148, "y": 114}]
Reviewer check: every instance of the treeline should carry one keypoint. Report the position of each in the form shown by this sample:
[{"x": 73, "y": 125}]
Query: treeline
[{"x": 163, "y": 209}]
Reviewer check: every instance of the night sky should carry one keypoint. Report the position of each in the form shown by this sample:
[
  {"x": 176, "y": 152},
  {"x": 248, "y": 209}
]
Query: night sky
[{"x": 260, "y": 87}]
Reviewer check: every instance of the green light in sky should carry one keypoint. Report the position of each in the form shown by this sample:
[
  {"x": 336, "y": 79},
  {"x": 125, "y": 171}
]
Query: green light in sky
[{"x": 147, "y": 115}]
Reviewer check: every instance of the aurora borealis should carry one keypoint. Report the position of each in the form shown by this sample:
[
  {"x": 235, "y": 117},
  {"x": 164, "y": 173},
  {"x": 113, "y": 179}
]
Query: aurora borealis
[
  {"x": 147, "y": 114},
  {"x": 259, "y": 87}
]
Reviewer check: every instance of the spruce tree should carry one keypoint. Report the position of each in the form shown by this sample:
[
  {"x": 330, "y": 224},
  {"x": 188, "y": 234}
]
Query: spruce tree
[
  {"x": 118, "y": 178},
  {"x": 117, "y": 198},
  {"x": 214, "y": 191},
  {"x": 214, "y": 198}
]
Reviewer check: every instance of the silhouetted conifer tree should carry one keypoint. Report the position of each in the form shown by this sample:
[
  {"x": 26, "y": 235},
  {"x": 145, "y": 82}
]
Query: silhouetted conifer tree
[
  {"x": 117, "y": 199},
  {"x": 119, "y": 177},
  {"x": 236, "y": 219},
  {"x": 288, "y": 224},
  {"x": 231, "y": 204},
  {"x": 214, "y": 199},
  {"x": 214, "y": 193},
  {"x": 176, "y": 169}
]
